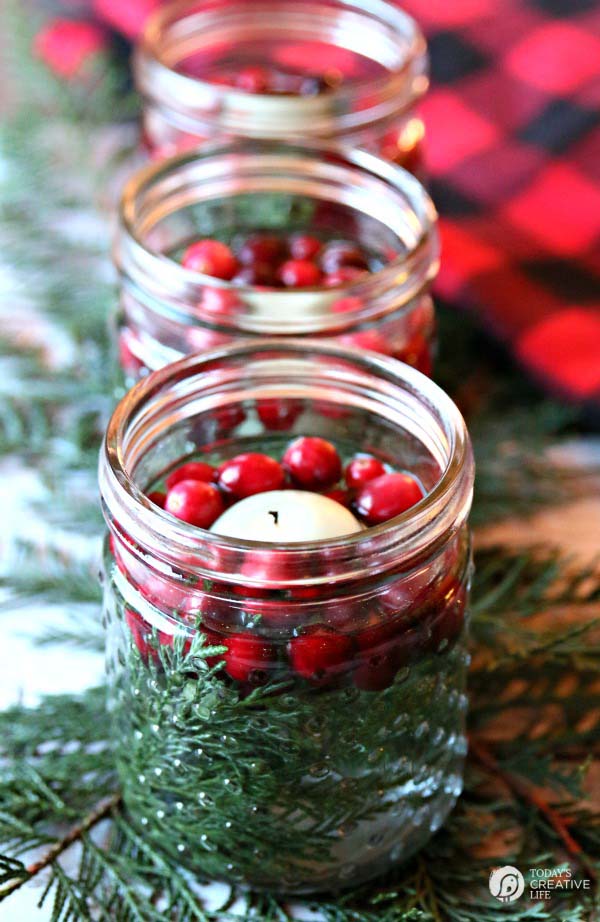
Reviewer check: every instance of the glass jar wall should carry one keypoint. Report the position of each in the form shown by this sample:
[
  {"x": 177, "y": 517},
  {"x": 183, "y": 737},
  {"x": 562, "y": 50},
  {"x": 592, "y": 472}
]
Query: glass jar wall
[
  {"x": 249, "y": 760},
  {"x": 255, "y": 190},
  {"x": 343, "y": 70}
]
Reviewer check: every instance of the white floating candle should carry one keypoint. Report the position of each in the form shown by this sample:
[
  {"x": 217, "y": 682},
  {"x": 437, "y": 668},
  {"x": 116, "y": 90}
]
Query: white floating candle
[{"x": 284, "y": 516}]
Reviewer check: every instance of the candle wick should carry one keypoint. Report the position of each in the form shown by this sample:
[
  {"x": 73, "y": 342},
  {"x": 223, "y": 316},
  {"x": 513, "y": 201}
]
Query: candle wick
[{"x": 275, "y": 516}]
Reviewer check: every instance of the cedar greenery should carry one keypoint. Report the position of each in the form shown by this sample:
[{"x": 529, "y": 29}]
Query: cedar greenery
[{"x": 59, "y": 795}]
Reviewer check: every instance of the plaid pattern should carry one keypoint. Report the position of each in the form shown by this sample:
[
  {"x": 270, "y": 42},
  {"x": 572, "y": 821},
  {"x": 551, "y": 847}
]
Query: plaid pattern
[{"x": 514, "y": 159}]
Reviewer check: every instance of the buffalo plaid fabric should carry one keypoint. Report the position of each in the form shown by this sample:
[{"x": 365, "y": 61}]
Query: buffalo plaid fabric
[{"x": 514, "y": 159}]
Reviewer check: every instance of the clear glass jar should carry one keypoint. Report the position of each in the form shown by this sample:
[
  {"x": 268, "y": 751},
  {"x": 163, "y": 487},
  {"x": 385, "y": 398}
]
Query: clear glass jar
[
  {"x": 167, "y": 311},
  {"x": 284, "y": 781},
  {"x": 362, "y": 68}
]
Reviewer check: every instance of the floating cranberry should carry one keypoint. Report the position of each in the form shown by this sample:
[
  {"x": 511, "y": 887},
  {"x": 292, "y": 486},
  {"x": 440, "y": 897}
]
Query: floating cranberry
[
  {"x": 249, "y": 658},
  {"x": 387, "y": 496},
  {"x": 313, "y": 463},
  {"x": 340, "y": 253},
  {"x": 221, "y": 302},
  {"x": 250, "y": 473},
  {"x": 343, "y": 276},
  {"x": 158, "y": 498},
  {"x": 196, "y": 502},
  {"x": 191, "y": 470},
  {"x": 302, "y": 246},
  {"x": 277, "y": 415},
  {"x": 262, "y": 249},
  {"x": 253, "y": 80},
  {"x": 299, "y": 273},
  {"x": 319, "y": 654},
  {"x": 211, "y": 257},
  {"x": 343, "y": 497},
  {"x": 361, "y": 470},
  {"x": 259, "y": 274}
]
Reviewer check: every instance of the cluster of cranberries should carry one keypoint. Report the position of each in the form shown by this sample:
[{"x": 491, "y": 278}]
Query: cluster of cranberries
[
  {"x": 320, "y": 654},
  {"x": 272, "y": 81},
  {"x": 270, "y": 261},
  {"x": 199, "y": 493}
]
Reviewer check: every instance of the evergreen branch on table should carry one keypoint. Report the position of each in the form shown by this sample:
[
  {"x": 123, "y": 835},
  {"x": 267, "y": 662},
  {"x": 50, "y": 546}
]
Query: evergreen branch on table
[{"x": 525, "y": 787}]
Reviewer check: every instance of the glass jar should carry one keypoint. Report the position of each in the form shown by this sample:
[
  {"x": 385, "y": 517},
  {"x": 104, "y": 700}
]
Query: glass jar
[
  {"x": 343, "y": 70},
  {"x": 254, "y": 769},
  {"x": 167, "y": 311}
]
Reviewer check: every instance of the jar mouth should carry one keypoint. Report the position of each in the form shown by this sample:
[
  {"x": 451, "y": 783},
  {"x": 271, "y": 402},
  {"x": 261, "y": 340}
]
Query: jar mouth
[
  {"x": 375, "y": 190},
  {"x": 396, "y": 392},
  {"x": 374, "y": 29}
]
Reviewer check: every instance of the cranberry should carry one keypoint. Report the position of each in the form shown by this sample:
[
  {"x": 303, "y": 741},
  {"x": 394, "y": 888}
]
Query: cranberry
[
  {"x": 253, "y": 80},
  {"x": 343, "y": 497},
  {"x": 343, "y": 276},
  {"x": 250, "y": 473},
  {"x": 220, "y": 302},
  {"x": 387, "y": 496},
  {"x": 211, "y": 257},
  {"x": 302, "y": 246},
  {"x": 361, "y": 470},
  {"x": 347, "y": 305},
  {"x": 262, "y": 274},
  {"x": 299, "y": 273},
  {"x": 248, "y": 658},
  {"x": 341, "y": 253},
  {"x": 262, "y": 249},
  {"x": 383, "y": 649},
  {"x": 447, "y": 623},
  {"x": 319, "y": 654},
  {"x": 418, "y": 354},
  {"x": 196, "y": 502},
  {"x": 158, "y": 498},
  {"x": 313, "y": 463},
  {"x": 192, "y": 470},
  {"x": 372, "y": 340},
  {"x": 278, "y": 415}
]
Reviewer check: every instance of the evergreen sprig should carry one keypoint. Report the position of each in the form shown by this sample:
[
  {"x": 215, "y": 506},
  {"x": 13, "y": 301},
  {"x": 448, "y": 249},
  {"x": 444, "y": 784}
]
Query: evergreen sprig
[{"x": 534, "y": 691}]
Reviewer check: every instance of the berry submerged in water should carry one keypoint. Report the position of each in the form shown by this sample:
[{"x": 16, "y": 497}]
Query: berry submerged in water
[{"x": 320, "y": 654}]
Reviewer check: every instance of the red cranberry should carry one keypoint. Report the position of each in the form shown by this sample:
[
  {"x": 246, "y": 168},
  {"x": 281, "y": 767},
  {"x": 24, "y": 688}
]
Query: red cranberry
[
  {"x": 211, "y": 257},
  {"x": 278, "y": 415},
  {"x": 259, "y": 274},
  {"x": 319, "y": 654},
  {"x": 250, "y": 473},
  {"x": 221, "y": 302},
  {"x": 340, "y": 253},
  {"x": 343, "y": 276},
  {"x": 383, "y": 649},
  {"x": 343, "y": 497},
  {"x": 371, "y": 340},
  {"x": 299, "y": 273},
  {"x": 192, "y": 470},
  {"x": 418, "y": 354},
  {"x": 387, "y": 496},
  {"x": 265, "y": 249},
  {"x": 361, "y": 470},
  {"x": 313, "y": 463},
  {"x": 253, "y": 80},
  {"x": 347, "y": 305},
  {"x": 158, "y": 498},
  {"x": 195, "y": 502},
  {"x": 302, "y": 246},
  {"x": 249, "y": 658},
  {"x": 447, "y": 623}
]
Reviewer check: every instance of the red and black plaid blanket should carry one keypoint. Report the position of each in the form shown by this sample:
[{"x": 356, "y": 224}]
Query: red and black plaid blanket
[{"x": 514, "y": 159}]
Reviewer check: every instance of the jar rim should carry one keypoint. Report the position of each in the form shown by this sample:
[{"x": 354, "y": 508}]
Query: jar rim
[
  {"x": 177, "y": 291},
  {"x": 199, "y": 103},
  {"x": 443, "y": 509}
]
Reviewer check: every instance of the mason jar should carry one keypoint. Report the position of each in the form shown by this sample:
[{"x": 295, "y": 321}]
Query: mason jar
[
  {"x": 224, "y": 191},
  {"x": 349, "y": 71},
  {"x": 234, "y": 758}
]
